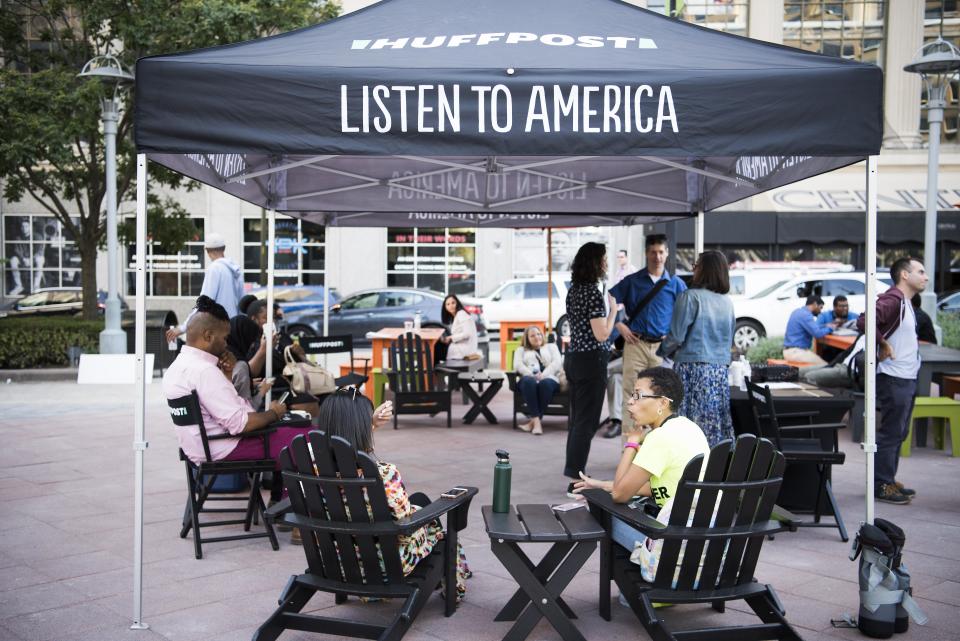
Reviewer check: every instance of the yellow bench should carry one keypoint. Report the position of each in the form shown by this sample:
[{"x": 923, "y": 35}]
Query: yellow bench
[{"x": 939, "y": 408}]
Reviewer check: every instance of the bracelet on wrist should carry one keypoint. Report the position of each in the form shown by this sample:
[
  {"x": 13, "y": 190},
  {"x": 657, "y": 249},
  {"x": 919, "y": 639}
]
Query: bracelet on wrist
[{"x": 631, "y": 445}]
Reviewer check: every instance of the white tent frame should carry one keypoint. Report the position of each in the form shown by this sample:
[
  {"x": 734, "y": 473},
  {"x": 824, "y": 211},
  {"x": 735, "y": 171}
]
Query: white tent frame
[{"x": 139, "y": 439}]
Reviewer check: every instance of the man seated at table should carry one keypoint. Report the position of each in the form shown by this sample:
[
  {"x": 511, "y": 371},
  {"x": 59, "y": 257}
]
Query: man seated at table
[
  {"x": 802, "y": 328},
  {"x": 223, "y": 410},
  {"x": 840, "y": 315}
]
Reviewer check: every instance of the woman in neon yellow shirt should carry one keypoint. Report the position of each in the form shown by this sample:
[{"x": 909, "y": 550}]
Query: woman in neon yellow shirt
[{"x": 654, "y": 457}]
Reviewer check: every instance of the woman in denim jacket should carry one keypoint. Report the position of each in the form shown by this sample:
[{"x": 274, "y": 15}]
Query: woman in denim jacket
[{"x": 701, "y": 333}]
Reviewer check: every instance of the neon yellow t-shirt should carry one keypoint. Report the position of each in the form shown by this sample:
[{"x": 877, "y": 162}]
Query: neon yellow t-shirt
[{"x": 665, "y": 453}]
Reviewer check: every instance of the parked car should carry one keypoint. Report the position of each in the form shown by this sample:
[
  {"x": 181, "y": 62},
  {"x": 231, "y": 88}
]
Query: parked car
[
  {"x": 949, "y": 302},
  {"x": 298, "y": 298},
  {"x": 373, "y": 309},
  {"x": 53, "y": 301},
  {"x": 767, "y": 313},
  {"x": 525, "y": 298}
]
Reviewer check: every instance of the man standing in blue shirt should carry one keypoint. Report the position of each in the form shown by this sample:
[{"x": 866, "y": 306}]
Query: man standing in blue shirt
[
  {"x": 802, "y": 328},
  {"x": 647, "y": 319}
]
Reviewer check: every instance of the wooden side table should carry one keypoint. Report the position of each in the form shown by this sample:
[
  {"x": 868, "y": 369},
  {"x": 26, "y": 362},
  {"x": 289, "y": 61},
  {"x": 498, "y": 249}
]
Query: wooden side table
[
  {"x": 574, "y": 535},
  {"x": 479, "y": 397}
]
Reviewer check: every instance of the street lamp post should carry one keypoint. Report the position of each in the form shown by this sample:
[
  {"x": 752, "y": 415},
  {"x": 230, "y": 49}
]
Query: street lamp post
[
  {"x": 936, "y": 62},
  {"x": 111, "y": 73}
]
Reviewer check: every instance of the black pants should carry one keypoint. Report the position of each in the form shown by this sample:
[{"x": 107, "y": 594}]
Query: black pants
[
  {"x": 895, "y": 398},
  {"x": 587, "y": 377}
]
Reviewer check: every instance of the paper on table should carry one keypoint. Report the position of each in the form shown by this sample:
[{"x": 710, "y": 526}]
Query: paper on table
[{"x": 782, "y": 385}]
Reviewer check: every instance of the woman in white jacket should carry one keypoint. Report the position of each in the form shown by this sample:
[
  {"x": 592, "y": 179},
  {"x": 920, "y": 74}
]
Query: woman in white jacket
[
  {"x": 462, "y": 341},
  {"x": 540, "y": 367}
]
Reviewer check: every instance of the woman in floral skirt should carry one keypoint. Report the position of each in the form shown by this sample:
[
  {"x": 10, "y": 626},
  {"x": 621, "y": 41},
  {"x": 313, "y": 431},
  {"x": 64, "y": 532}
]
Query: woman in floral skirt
[{"x": 699, "y": 342}]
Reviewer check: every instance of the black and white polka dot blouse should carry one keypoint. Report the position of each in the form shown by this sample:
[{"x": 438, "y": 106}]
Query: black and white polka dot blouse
[{"x": 583, "y": 303}]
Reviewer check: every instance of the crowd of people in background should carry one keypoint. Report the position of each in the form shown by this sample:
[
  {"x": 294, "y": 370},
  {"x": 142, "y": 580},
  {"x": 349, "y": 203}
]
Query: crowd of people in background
[{"x": 653, "y": 349}]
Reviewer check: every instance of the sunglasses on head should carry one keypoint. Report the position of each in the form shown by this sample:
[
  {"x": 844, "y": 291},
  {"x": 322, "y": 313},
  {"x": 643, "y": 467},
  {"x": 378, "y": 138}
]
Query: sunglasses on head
[
  {"x": 638, "y": 396},
  {"x": 349, "y": 389}
]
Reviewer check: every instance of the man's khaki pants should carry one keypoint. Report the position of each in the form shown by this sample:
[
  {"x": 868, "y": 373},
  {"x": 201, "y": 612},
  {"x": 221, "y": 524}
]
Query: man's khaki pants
[
  {"x": 800, "y": 355},
  {"x": 636, "y": 358}
]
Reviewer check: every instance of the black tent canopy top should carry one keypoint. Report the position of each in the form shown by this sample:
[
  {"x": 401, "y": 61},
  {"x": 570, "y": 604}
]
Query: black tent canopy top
[{"x": 504, "y": 112}]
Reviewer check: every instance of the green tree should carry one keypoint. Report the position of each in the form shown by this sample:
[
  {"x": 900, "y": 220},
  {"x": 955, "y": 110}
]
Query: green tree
[{"x": 51, "y": 146}]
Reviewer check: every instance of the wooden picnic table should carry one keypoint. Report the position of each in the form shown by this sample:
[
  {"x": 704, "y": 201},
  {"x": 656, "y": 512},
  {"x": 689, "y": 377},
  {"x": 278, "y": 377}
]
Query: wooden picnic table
[
  {"x": 832, "y": 340},
  {"x": 382, "y": 339}
]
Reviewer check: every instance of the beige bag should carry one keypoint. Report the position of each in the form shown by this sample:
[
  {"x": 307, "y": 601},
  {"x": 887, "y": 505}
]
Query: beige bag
[
  {"x": 307, "y": 378},
  {"x": 562, "y": 378}
]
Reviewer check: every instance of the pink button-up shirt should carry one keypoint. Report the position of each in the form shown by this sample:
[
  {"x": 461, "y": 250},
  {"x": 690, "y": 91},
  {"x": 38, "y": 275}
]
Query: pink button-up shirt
[{"x": 223, "y": 410}]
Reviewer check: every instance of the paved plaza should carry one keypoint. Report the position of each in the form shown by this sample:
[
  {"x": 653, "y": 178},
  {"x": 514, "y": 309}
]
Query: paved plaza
[{"x": 66, "y": 537}]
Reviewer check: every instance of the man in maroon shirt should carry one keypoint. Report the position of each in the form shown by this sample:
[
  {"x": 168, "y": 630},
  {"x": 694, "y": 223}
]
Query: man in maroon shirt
[{"x": 898, "y": 363}]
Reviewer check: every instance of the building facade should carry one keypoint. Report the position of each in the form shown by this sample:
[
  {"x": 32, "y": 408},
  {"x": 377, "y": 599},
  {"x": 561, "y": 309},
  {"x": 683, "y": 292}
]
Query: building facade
[{"x": 821, "y": 218}]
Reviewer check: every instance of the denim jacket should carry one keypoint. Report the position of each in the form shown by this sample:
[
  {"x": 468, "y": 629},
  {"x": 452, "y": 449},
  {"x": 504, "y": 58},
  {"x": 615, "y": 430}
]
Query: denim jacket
[{"x": 701, "y": 330}]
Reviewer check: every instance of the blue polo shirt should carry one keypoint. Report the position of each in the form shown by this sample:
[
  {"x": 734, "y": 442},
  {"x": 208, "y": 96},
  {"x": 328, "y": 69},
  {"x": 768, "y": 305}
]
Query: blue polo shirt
[
  {"x": 827, "y": 317},
  {"x": 654, "y": 319},
  {"x": 802, "y": 328}
]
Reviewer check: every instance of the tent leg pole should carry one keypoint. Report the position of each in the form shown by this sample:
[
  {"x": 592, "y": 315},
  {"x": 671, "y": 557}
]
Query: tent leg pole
[
  {"x": 549, "y": 290},
  {"x": 269, "y": 329},
  {"x": 698, "y": 236},
  {"x": 870, "y": 353},
  {"x": 139, "y": 419}
]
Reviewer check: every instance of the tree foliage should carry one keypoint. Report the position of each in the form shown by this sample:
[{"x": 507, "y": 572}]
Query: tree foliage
[{"x": 51, "y": 145}]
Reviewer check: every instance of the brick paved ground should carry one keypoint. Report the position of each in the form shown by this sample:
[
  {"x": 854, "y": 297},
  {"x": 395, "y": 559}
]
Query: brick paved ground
[{"x": 66, "y": 469}]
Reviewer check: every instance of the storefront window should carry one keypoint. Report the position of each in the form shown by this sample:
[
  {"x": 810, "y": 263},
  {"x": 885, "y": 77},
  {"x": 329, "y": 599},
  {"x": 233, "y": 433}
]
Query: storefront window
[
  {"x": 171, "y": 274},
  {"x": 737, "y": 257},
  {"x": 39, "y": 252},
  {"x": 299, "y": 257},
  {"x": 838, "y": 254},
  {"x": 722, "y": 15},
  {"x": 530, "y": 248},
  {"x": 850, "y": 29},
  {"x": 443, "y": 260}
]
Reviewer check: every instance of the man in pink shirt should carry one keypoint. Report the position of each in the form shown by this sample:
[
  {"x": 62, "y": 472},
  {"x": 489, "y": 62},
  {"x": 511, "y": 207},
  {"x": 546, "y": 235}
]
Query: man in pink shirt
[{"x": 223, "y": 410}]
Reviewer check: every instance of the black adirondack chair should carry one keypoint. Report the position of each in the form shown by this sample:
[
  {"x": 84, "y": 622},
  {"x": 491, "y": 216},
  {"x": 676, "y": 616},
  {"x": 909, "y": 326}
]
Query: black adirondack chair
[
  {"x": 351, "y": 543},
  {"x": 340, "y": 344},
  {"x": 805, "y": 442},
  {"x": 559, "y": 404},
  {"x": 416, "y": 386},
  {"x": 700, "y": 562},
  {"x": 185, "y": 411}
]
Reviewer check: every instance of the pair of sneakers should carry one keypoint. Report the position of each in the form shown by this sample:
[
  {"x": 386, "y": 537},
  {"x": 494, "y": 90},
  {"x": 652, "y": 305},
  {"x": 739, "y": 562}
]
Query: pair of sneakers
[{"x": 894, "y": 493}]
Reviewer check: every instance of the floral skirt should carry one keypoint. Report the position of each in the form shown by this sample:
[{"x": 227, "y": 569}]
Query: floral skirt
[{"x": 706, "y": 399}]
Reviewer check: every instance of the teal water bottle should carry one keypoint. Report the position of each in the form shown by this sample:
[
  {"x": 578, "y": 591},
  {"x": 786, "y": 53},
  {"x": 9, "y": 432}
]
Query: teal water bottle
[{"x": 501, "y": 482}]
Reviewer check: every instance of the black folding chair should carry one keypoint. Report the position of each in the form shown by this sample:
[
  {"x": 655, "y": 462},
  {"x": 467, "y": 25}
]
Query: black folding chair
[
  {"x": 350, "y": 539},
  {"x": 711, "y": 544},
  {"x": 414, "y": 381},
  {"x": 341, "y": 344},
  {"x": 185, "y": 412},
  {"x": 805, "y": 442}
]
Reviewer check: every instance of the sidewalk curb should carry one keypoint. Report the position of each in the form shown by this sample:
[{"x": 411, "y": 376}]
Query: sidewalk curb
[{"x": 40, "y": 375}]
